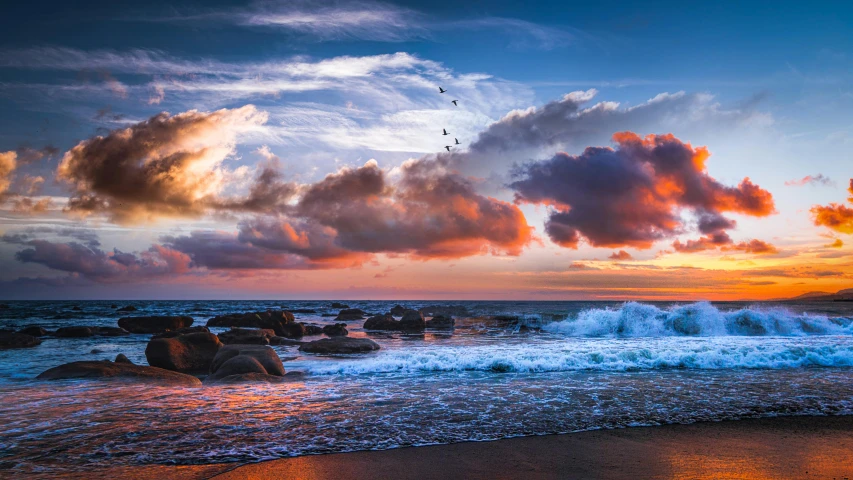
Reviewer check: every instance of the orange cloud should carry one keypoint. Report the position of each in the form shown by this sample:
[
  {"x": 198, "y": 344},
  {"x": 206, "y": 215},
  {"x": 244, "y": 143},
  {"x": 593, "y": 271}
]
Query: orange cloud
[{"x": 835, "y": 216}]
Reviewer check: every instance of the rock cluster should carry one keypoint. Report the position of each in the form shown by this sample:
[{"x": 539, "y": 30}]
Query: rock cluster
[
  {"x": 154, "y": 323},
  {"x": 279, "y": 321},
  {"x": 192, "y": 352},
  {"x": 245, "y": 363}
]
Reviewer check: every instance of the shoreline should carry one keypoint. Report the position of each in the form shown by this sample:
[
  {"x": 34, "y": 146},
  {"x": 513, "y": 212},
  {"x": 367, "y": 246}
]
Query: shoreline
[{"x": 762, "y": 448}]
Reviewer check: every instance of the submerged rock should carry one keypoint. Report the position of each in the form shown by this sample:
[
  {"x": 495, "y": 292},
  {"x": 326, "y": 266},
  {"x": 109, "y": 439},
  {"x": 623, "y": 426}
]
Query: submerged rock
[
  {"x": 122, "y": 358},
  {"x": 412, "y": 321},
  {"x": 112, "y": 331},
  {"x": 127, "y": 308},
  {"x": 442, "y": 322},
  {"x": 107, "y": 370},
  {"x": 33, "y": 331},
  {"x": 336, "y": 330},
  {"x": 276, "y": 320},
  {"x": 349, "y": 314},
  {"x": 75, "y": 332},
  {"x": 17, "y": 340},
  {"x": 312, "y": 329},
  {"x": 382, "y": 322},
  {"x": 192, "y": 352},
  {"x": 340, "y": 345},
  {"x": 154, "y": 323},
  {"x": 339, "y": 305}
]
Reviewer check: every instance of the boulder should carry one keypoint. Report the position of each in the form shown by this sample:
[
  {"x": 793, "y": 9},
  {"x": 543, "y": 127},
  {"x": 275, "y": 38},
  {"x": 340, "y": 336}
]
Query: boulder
[
  {"x": 107, "y": 370},
  {"x": 127, "y": 308},
  {"x": 349, "y": 314},
  {"x": 340, "y": 345},
  {"x": 442, "y": 322},
  {"x": 122, "y": 358},
  {"x": 339, "y": 305},
  {"x": 312, "y": 329},
  {"x": 382, "y": 322},
  {"x": 75, "y": 332},
  {"x": 272, "y": 319},
  {"x": 398, "y": 310},
  {"x": 112, "y": 332},
  {"x": 412, "y": 321},
  {"x": 246, "y": 336},
  {"x": 258, "y": 361},
  {"x": 192, "y": 352},
  {"x": 336, "y": 330},
  {"x": 239, "y": 378},
  {"x": 34, "y": 331},
  {"x": 292, "y": 330},
  {"x": 154, "y": 323},
  {"x": 17, "y": 340},
  {"x": 181, "y": 331}
]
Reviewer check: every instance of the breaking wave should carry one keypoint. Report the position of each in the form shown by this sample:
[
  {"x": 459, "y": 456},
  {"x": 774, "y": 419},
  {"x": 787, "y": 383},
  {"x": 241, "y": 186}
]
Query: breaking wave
[{"x": 634, "y": 319}]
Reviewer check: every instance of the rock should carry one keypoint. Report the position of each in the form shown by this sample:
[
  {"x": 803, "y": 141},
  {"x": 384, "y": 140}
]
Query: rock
[
  {"x": 449, "y": 310},
  {"x": 154, "y": 323},
  {"x": 292, "y": 330},
  {"x": 4, "y": 306},
  {"x": 312, "y": 329},
  {"x": 112, "y": 331},
  {"x": 17, "y": 340},
  {"x": 114, "y": 306},
  {"x": 442, "y": 322},
  {"x": 348, "y": 314},
  {"x": 328, "y": 314},
  {"x": 238, "y": 378},
  {"x": 107, "y": 370},
  {"x": 122, "y": 358},
  {"x": 247, "y": 336},
  {"x": 96, "y": 350},
  {"x": 336, "y": 330},
  {"x": 398, "y": 310},
  {"x": 34, "y": 331},
  {"x": 284, "y": 341},
  {"x": 76, "y": 308},
  {"x": 412, "y": 321},
  {"x": 382, "y": 322},
  {"x": 276, "y": 320},
  {"x": 75, "y": 332},
  {"x": 181, "y": 331},
  {"x": 128, "y": 308},
  {"x": 339, "y": 305},
  {"x": 239, "y": 359},
  {"x": 192, "y": 352},
  {"x": 340, "y": 345}
]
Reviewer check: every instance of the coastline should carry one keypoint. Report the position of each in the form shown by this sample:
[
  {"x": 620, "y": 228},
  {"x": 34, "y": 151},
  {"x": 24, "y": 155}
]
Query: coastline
[{"x": 764, "y": 448}]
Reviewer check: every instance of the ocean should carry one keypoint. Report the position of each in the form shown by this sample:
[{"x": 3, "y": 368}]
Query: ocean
[{"x": 507, "y": 369}]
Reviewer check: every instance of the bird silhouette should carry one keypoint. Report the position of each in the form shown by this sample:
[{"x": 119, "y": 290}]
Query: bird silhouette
[
  {"x": 454, "y": 102},
  {"x": 441, "y": 90},
  {"x": 445, "y": 131},
  {"x": 457, "y": 141},
  {"x": 447, "y": 147}
]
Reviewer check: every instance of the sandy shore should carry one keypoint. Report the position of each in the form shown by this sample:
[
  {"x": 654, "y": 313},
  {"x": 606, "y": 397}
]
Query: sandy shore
[{"x": 772, "y": 448}]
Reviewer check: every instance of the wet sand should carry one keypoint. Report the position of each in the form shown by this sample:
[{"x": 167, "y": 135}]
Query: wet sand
[{"x": 772, "y": 448}]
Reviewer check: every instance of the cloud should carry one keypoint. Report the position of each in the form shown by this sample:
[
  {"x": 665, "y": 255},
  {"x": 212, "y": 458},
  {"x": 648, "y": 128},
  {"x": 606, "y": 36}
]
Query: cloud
[
  {"x": 621, "y": 255},
  {"x": 166, "y": 166},
  {"x": 8, "y": 164},
  {"x": 632, "y": 195},
  {"x": 835, "y": 216},
  {"x": 92, "y": 263},
  {"x": 836, "y": 244},
  {"x": 818, "y": 179}
]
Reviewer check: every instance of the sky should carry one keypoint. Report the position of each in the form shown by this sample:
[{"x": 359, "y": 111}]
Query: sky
[{"x": 295, "y": 150}]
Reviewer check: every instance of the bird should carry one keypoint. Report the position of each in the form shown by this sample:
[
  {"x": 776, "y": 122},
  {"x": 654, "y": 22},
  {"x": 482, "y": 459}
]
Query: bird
[
  {"x": 457, "y": 141},
  {"x": 454, "y": 102},
  {"x": 447, "y": 147},
  {"x": 445, "y": 131},
  {"x": 441, "y": 90}
]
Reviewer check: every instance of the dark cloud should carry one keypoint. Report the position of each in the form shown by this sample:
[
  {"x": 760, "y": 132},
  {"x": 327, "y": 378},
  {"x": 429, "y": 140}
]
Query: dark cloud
[
  {"x": 835, "y": 216},
  {"x": 621, "y": 255},
  {"x": 633, "y": 195}
]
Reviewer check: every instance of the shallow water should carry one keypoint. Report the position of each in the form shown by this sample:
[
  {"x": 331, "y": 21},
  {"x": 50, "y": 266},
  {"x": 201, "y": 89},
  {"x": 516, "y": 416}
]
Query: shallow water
[{"x": 592, "y": 365}]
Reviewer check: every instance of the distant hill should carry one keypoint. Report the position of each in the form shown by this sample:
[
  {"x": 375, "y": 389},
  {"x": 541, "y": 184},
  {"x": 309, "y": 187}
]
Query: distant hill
[{"x": 841, "y": 295}]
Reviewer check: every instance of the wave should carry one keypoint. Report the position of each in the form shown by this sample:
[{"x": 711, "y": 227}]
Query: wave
[
  {"x": 605, "y": 355},
  {"x": 634, "y": 319}
]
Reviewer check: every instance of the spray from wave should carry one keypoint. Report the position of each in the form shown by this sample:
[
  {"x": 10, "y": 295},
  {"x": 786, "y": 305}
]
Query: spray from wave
[{"x": 634, "y": 319}]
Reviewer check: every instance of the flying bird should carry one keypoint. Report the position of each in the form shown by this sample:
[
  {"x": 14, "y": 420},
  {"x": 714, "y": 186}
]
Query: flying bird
[
  {"x": 441, "y": 90},
  {"x": 457, "y": 141},
  {"x": 447, "y": 147},
  {"x": 454, "y": 102},
  {"x": 445, "y": 131}
]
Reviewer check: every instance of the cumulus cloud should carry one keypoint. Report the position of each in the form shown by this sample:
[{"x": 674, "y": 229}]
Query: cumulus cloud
[
  {"x": 835, "y": 216},
  {"x": 168, "y": 165},
  {"x": 621, "y": 255},
  {"x": 818, "y": 179},
  {"x": 633, "y": 195},
  {"x": 8, "y": 164},
  {"x": 18, "y": 193}
]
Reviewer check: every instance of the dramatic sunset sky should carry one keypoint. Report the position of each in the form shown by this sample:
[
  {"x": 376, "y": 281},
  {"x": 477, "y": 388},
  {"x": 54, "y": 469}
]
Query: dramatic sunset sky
[{"x": 607, "y": 150}]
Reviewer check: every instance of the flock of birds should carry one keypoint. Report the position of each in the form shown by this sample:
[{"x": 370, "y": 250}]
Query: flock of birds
[{"x": 444, "y": 130}]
